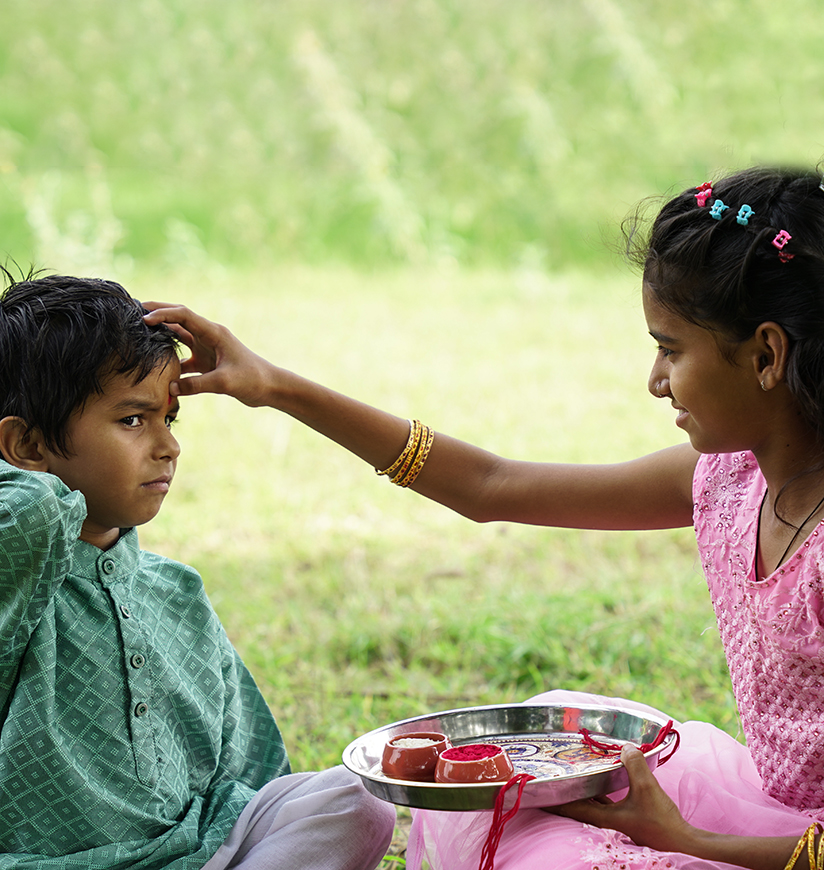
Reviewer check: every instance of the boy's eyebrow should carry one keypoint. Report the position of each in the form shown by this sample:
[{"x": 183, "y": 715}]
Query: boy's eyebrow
[{"x": 172, "y": 404}]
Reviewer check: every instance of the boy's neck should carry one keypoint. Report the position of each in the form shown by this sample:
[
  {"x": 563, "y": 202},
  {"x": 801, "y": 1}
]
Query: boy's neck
[{"x": 103, "y": 539}]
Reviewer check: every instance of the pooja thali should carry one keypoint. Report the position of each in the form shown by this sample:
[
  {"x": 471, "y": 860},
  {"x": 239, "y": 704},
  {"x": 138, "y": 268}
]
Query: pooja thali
[{"x": 542, "y": 740}]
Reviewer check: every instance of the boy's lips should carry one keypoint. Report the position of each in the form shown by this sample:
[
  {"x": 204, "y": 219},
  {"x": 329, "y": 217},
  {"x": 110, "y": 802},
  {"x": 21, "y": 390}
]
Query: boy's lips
[{"x": 159, "y": 484}]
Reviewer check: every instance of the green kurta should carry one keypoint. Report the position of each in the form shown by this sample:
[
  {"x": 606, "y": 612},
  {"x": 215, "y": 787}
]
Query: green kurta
[{"x": 131, "y": 733}]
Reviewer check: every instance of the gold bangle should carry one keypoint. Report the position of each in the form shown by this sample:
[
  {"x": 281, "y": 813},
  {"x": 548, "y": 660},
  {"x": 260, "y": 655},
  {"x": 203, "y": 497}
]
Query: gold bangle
[
  {"x": 409, "y": 456},
  {"x": 808, "y": 840},
  {"x": 413, "y": 440},
  {"x": 423, "y": 453}
]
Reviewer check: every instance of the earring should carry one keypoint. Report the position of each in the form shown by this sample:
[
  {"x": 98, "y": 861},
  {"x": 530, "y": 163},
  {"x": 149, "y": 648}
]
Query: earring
[{"x": 764, "y": 386}]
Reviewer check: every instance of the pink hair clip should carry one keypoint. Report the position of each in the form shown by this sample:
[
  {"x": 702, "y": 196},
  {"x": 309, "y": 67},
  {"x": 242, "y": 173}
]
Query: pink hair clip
[
  {"x": 704, "y": 193},
  {"x": 779, "y": 242}
]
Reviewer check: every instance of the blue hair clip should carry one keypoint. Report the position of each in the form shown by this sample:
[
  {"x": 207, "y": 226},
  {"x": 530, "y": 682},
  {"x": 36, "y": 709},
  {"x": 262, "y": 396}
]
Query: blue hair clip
[
  {"x": 744, "y": 215},
  {"x": 718, "y": 208}
]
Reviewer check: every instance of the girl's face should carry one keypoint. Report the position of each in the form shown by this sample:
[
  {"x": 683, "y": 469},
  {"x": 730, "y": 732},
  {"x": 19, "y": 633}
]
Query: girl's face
[{"x": 718, "y": 400}]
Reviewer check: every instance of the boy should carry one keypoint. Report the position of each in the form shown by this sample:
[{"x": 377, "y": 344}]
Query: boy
[{"x": 131, "y": 734}]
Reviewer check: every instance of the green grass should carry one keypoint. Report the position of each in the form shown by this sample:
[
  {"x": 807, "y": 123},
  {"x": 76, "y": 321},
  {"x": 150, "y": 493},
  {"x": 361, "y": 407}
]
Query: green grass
[
  {"x": 356, "y": 604},
  {"x": 491, "y": 132}
]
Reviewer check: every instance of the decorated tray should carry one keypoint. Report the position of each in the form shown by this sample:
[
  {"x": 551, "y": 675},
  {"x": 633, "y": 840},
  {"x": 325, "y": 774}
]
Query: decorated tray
[{"x": 542, "y": 740}]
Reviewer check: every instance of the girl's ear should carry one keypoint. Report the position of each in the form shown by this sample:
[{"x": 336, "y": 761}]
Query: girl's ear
[
  {"x": 20, "y": 448},
  {"x": 773, "y": 345}
]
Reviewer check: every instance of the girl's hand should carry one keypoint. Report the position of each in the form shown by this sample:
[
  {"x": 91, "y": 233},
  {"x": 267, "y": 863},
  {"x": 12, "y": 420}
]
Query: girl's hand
[
  {"x": 646, "y": 815},
  {"x": 219, "y": 362}
]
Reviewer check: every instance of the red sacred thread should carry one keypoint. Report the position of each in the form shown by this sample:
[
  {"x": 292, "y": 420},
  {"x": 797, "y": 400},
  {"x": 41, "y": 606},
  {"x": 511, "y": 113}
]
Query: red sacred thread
[
  {"x": 499, "y": 819},
  {"x": 615, "y": 748}
]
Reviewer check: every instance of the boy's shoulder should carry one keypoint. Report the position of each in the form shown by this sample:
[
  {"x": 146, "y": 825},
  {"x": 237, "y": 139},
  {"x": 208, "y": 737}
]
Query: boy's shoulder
[
  {"x": 34, "y": 482},
  {"x": 36, "y": 497},
  {"x": 171, "y": 576}
]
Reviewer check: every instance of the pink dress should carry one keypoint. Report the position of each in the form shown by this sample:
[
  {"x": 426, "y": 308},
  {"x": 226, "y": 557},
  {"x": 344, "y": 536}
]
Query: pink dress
[{"x": 774, "y": 641}]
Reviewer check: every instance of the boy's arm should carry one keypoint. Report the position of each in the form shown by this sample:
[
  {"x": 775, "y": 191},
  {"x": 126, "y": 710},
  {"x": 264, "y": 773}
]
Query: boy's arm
[
  {"x": 648, "y": 493},
  {"x": 649, "y": 818},
  {"x": 39, "y": 520}
]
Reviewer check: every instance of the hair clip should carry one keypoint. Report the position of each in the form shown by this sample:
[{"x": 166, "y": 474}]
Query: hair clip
[
  {"x": 744, "y": 215},
  {"x": 779, "y": 241},
  {"x": 704, "y": 193},
  {"x": 718, "y": 209}
]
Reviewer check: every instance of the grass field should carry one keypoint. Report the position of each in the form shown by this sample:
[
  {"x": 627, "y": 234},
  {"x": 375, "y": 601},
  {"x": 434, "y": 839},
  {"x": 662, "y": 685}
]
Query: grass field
[
  {"x": 491, "y": 132},
  {"x": 356, "y": 604}
]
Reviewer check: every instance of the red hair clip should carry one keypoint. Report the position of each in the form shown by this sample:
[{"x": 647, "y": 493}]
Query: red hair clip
[
  {"x": 704, "y": 193},
  {"x": 778, "y": 242}
]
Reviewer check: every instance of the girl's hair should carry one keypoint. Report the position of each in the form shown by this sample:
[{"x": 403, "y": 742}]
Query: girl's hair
[
  {"x": 730, "y": 277},
  {"x": 61, "y": 338}
]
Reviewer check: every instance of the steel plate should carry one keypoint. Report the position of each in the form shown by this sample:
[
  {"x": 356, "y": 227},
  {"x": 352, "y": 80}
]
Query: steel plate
[{"x": 530, "y": 733}]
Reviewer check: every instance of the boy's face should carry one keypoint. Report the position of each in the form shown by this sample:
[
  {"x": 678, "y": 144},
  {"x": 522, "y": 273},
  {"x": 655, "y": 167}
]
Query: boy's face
[{"x": 123, "y": 454}]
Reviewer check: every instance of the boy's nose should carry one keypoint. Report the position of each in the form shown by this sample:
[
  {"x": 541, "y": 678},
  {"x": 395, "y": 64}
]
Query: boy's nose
[{"x": 167, "y": 445}]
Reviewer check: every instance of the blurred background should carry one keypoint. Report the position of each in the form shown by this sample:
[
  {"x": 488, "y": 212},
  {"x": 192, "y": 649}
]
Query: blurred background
[
  {"x": 418, "y": 202},
  {"x": 491, "y": 132}
]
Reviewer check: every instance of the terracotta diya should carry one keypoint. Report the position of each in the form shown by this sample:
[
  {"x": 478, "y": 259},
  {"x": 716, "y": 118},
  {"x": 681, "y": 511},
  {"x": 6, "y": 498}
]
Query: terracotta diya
[
  {"x": 413, "y": 756},
  {"x": 474, "y": 762}
]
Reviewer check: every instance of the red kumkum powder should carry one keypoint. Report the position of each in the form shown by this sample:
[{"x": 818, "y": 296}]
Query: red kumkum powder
[{"x": 470, "y": 752}]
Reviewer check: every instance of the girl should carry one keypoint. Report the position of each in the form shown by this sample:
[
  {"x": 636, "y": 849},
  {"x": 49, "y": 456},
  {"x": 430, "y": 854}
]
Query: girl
[{"x": 733, "y": 294}]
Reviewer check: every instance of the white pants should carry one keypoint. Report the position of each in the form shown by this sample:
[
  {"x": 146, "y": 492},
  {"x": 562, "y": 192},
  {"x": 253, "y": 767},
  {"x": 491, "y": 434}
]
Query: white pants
[{"x": 309, "y": 821}]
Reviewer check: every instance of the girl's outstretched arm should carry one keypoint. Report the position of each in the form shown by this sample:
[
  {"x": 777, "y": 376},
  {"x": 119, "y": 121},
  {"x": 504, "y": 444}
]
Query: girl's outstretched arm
[
  {"x": 653, "y": 492},
  {"x": 649, "y": 818}
]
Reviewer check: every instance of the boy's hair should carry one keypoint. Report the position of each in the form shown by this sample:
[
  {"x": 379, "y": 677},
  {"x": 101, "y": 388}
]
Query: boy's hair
[
  {"x": 730, "y": 277},
  {"x": 61, "y": 338}
]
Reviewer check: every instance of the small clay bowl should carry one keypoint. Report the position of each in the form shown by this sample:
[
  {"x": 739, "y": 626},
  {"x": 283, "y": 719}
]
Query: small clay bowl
[
  {"x": 413, "y": 756},
  {"x": 474, "y": 762}
]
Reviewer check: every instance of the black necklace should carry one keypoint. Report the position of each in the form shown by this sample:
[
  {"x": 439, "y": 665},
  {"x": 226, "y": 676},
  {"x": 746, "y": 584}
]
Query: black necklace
[{"x": 810, "y": 515}]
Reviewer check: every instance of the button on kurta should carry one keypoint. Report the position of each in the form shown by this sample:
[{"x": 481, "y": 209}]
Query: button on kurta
[
  {"x": 138, "y": 660},
  {"x": 125, "y": 611},
  {"x": 108, "y": 566},
  {"x": 141, "y": 709}
]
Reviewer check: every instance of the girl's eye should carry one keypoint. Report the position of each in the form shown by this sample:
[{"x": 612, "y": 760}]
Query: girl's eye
[{"x": 664, "y": 351}]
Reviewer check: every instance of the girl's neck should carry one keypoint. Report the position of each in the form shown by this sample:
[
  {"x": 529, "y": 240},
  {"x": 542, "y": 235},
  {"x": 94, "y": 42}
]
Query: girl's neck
[
  {"x": 793, "y": 502},
  {"x": 792, "y": 462}
]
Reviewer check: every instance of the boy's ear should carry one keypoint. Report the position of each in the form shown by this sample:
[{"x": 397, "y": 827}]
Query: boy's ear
[{"x": 20, "y": 448}]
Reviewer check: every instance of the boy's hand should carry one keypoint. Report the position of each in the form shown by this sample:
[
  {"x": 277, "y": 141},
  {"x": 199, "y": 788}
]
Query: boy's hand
[
  {"x": 646, "y": 815},
  {"x": 219, "y": 363}
]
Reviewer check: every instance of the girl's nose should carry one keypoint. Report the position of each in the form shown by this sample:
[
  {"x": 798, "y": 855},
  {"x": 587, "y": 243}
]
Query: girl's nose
[{"x": 658, "y": 383}]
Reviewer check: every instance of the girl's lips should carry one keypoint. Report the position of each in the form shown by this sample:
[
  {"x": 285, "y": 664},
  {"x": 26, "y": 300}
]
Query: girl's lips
[{"x": 683, "y": 413}]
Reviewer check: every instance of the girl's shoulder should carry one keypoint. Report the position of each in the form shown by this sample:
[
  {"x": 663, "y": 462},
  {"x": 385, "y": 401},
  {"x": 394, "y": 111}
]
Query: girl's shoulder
[{"x": 725, "y": 476}]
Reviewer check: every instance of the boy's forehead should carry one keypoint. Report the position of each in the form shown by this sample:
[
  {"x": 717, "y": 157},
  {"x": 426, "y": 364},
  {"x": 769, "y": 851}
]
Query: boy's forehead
[{"x": 123, "y": 389}]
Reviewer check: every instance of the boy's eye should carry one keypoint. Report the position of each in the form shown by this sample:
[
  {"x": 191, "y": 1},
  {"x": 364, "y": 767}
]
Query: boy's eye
[
  {"x": 132, "y": 421},
  {"x": 170, "y": 420}
]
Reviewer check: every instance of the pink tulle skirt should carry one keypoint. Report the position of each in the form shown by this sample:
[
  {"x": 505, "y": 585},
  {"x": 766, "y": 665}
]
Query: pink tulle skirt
[{"x": 711, "y": 778}]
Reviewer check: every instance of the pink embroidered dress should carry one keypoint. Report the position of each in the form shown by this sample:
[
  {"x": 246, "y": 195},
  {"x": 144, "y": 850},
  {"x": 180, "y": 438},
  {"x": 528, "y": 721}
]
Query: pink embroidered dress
[{"x": 773, "y": 634}]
